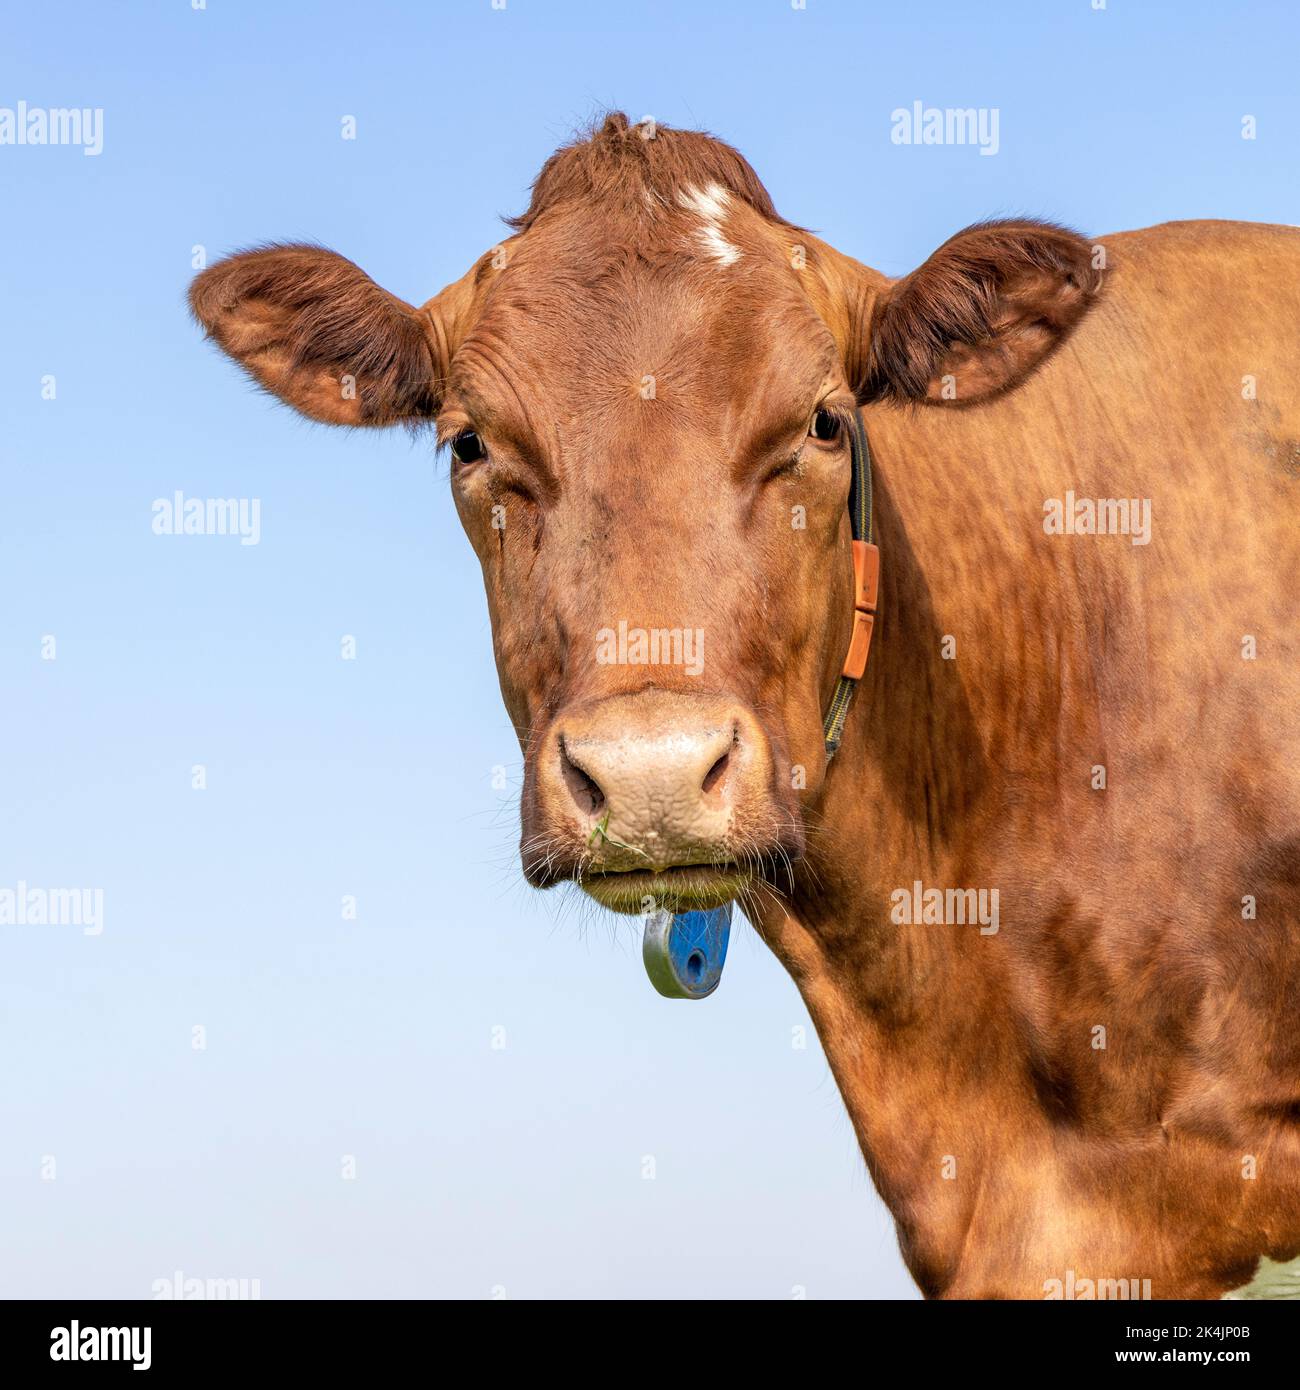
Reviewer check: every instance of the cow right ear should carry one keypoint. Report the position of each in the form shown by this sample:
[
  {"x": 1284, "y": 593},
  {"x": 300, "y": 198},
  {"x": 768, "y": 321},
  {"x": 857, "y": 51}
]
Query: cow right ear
[
  {"x": 316, "y": 331},
  {"x": 985, "y": 311}
]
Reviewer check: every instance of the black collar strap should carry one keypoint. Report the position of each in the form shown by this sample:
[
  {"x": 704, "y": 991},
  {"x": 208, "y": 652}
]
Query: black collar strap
[{"x": 866, "y": 574}]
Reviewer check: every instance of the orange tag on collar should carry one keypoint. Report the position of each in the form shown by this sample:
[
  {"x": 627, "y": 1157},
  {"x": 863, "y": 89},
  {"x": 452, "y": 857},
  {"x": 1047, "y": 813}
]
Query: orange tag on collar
[
  {"x": 856, "y": 661},
  {"x": 866, "y": 578},
  {"x": 866, "y": 575}
]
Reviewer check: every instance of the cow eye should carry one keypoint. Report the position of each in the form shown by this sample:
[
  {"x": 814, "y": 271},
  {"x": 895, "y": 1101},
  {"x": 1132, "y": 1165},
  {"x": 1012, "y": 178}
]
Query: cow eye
[
  {"x": 467, "y": 447},
  {"x": 825, "y": 425}
]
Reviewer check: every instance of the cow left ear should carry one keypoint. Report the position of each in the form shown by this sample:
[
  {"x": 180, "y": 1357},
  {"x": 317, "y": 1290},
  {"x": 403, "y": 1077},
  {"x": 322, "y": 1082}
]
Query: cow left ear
[{"x": 987, "y": 308}]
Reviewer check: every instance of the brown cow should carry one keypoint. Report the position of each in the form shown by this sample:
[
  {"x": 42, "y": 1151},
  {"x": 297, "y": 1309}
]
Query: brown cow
[{"x": 1082, "y": 703}]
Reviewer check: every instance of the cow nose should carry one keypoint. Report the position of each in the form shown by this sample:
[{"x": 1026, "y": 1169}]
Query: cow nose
[
  {"x": 674, "y": 776},
  {"x": 657, "y": 779}
]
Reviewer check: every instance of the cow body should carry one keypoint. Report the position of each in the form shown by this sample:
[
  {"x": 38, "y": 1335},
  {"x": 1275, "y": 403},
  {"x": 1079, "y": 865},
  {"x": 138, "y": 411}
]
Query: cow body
[
  {"x": 644, "y": 390},
  {"x": 1011, "y": 1140}
]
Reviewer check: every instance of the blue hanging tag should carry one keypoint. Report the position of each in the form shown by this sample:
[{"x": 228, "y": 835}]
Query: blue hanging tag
[{"x": 684, "y": 952}]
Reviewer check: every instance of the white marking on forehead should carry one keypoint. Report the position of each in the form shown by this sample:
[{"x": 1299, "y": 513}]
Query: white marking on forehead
[{"x": 710, "y": 205}]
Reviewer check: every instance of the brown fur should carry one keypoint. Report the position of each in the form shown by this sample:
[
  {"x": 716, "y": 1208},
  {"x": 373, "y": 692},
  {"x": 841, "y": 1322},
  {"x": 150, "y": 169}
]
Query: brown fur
[
  {"x": 987, "y": 307},
  {"x": 1010, "y": 1148},
  {"x": 620, "y": 163},
  {"x": 301, "y": 319}
]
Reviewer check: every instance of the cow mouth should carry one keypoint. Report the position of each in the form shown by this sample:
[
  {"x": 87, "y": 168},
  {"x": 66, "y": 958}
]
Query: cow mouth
[{"x": 684, "y": 888}]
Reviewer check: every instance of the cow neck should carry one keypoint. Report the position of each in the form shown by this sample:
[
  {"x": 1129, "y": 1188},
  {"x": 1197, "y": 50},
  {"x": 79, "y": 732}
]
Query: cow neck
[{"x": 902, "y": 795}]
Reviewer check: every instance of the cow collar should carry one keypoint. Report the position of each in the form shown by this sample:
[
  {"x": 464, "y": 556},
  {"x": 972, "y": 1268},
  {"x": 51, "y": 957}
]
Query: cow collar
[{"x": 866, "y": 574}]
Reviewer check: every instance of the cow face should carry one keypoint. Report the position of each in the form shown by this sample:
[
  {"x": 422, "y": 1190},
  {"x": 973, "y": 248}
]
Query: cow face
[{"x": 645, "y": 394}]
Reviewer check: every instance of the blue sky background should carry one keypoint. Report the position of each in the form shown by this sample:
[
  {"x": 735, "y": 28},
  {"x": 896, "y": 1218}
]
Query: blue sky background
[{"x": 477, "y": 1169}]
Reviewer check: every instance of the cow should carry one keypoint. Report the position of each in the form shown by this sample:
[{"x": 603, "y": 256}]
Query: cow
[{"x": 1043, "y": 905}]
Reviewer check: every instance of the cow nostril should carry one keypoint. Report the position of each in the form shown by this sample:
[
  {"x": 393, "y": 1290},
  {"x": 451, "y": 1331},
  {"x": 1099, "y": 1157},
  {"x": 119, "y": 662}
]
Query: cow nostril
[
  {"x": 716, "y": 773},
  {"x": 584, "y": 789}
]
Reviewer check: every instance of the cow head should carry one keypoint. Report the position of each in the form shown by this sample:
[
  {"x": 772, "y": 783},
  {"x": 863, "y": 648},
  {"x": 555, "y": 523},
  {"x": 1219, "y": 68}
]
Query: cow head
[{"x": 645, "y": 392}]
